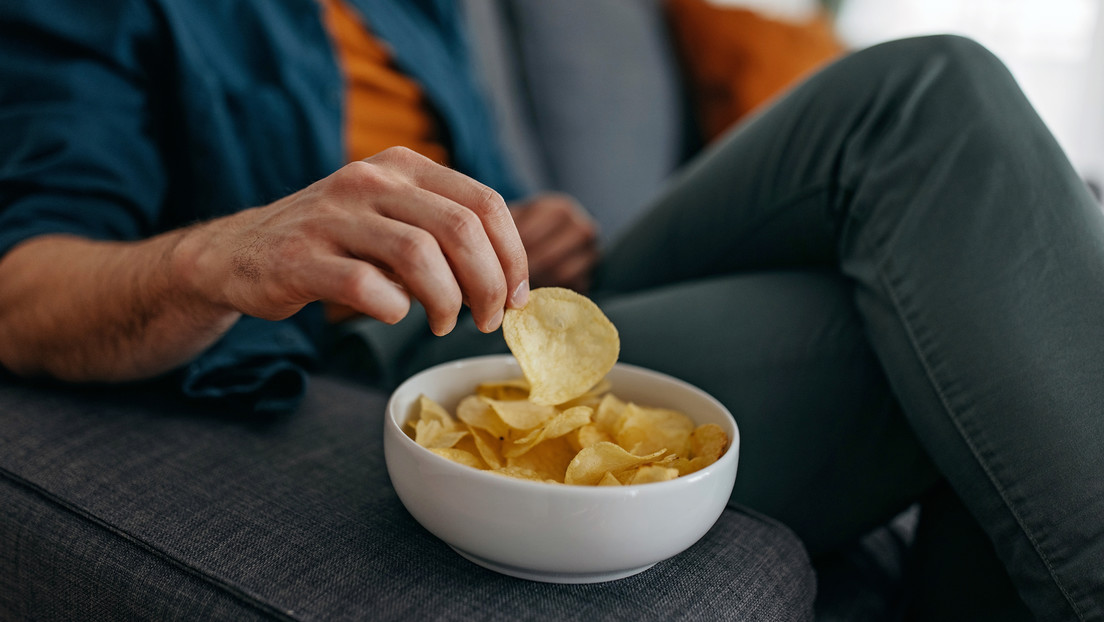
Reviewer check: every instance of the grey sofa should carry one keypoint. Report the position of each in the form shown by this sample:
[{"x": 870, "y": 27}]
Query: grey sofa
[{"x": 129, "y": 503}]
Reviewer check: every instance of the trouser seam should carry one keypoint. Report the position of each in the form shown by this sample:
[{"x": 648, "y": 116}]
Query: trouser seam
[{"x": 914, "y": 343}]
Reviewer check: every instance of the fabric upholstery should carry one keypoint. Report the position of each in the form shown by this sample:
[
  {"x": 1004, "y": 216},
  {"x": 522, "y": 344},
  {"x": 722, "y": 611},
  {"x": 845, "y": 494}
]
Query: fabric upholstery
[
  {"x": 132, "y": 506},
  {"x": 598, "y": 100}
]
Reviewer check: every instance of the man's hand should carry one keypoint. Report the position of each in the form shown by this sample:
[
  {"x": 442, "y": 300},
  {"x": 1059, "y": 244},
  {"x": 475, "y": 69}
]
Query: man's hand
[
  {"x": 560, "y": 238},
  {"x": 370, "y": 237}
]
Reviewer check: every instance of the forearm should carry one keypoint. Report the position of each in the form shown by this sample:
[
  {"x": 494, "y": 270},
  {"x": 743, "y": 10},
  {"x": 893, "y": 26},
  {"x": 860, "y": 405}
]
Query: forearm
[
  {"x": 83, "y": 310},
  {"x": 371, "y": 236}
]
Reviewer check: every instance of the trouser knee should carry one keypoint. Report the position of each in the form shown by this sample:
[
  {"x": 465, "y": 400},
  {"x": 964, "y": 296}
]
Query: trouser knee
[{"x": 957, "y": 70}]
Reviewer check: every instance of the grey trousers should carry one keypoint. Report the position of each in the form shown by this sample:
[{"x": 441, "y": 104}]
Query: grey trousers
[{"x": 895, "y": 281}]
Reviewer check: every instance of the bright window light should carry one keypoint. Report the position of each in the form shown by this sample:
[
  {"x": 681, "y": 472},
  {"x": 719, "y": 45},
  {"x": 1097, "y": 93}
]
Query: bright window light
[{"x": 1055, "y": 48}]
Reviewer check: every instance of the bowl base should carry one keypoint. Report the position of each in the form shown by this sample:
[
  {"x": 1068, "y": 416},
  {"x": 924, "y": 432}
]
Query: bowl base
[{"x": 551, "y": 577}]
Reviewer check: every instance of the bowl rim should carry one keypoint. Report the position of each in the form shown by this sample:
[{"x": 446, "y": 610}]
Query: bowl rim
[{"x": 544, "y": 487}]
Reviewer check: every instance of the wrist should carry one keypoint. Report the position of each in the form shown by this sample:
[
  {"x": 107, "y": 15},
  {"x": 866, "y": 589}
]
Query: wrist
[{"x": 194, "y": 269}]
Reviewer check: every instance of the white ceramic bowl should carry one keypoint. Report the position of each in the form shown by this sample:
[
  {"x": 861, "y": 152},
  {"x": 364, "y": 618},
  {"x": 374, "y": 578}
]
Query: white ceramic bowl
[{"x": 555, "y": 532}]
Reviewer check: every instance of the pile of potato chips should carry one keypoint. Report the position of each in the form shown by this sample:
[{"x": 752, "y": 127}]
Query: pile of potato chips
[{"x": 561, "y": 423}]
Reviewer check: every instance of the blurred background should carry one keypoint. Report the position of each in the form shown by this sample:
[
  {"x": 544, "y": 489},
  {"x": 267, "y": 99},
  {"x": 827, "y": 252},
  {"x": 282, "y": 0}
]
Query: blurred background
[{"x": 1055, "y": 48}]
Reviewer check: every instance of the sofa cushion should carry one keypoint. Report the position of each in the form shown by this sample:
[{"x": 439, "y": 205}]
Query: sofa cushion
[
  {"x": 587, "y": 95},
  {"x": 736, "y": 59},
  {"x": 128, "y": 505}
]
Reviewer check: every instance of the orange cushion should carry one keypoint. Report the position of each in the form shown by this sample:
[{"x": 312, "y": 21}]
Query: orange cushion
[{"x": 736, "y": 59}]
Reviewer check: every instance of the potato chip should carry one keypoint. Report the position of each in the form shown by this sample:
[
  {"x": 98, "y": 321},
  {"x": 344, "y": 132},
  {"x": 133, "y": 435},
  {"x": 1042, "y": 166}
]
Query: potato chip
[
  {"x": 692, "y": 465},
  {"x": 650, "y": 473},
  {"x": 587, "y": 435},
  {"x": 563, "y": 342},
  {"x": 432, "y": 425},
  {"x": 467, "y": 443},
  {"x": 589, "y": 466},
  {"x": 488, "y": 446},
  {"x": 708, "y": 441},
  {"x": 609, "y": 480},
  {"x": 429, "y": 409},
  {"x": 513, "y": 389},
  {"x": 548, "y": 459},
  {"x": 432, "y": 434},
  {"x": 459, "y": 455},
  {"x": 476, "y": 412},
  {"x": 561, "y": 424},
  {"x": 645, "y": 430},
  {"x": 425, "y": 409},
  {"x": 591, "y": 398},
  {"x": 521, "y": 414},
  {"x": 608, "y": 413},
  {"x": 519, "y": 473}
]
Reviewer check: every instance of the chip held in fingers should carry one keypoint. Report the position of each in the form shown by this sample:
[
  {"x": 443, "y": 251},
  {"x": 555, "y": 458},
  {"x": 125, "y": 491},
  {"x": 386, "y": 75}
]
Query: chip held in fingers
[{"x": 563, "y": 342}]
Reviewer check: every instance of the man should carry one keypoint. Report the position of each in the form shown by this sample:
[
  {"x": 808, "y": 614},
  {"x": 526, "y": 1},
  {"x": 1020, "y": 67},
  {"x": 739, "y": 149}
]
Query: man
[{"x": 877, "y": 273}]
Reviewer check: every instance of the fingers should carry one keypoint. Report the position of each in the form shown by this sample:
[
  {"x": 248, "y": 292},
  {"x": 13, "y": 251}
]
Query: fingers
[
  {"x": 448, "y": 239},
  {"x": 446, "y": 258},
  {"x": 497, "y": 224},
  {"x": 374, "y": 235},
  {"x": 361, "y": 286}
]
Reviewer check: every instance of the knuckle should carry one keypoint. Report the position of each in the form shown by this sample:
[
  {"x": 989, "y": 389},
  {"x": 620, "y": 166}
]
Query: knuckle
[
  {"x": 454, "y": 300},
  {"x": 497, "y": 292},
  {"x": 462, "y": 223},
  {"x": 400, "y": 156},
  {"x": 487, "y": 201},
  {"x": 486, "y": 297},
  {"x": 418, "y": 247},
  {"x": 321, "y": 212},
  {"x": 351, "y": 284},
  {"x": 358, "y": 169},
  {"x": 487, "y": 287},
  {"x": 517, "y": 256},
  {"x": 444, "y": 303},
  {"x": 398, "y": 152},
  {"x": 364, "y": 176}
]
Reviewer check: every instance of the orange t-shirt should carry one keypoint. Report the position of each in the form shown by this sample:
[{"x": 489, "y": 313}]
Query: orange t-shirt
[{"x": 383, "y": 107}]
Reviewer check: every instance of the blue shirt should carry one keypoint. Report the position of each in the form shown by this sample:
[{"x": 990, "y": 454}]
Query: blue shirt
[{"x": 120, "y": 119}]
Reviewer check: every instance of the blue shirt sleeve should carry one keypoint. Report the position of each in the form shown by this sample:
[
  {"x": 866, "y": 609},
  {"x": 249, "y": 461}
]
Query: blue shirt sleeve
[
  {"x": 96, "y": 141},
  {"x": 77, "y": 144},
  {"x": 258, "y": 367}
]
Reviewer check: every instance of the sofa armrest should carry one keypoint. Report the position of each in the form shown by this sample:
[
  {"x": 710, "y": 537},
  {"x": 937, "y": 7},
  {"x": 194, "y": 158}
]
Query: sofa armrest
[{"x": 130, "y": 505}]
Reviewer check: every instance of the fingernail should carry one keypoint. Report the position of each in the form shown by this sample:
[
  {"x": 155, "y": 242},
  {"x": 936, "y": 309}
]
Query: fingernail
[
  {"x": 495, "y": 322},
  {"x": 520, "y": 295}
]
